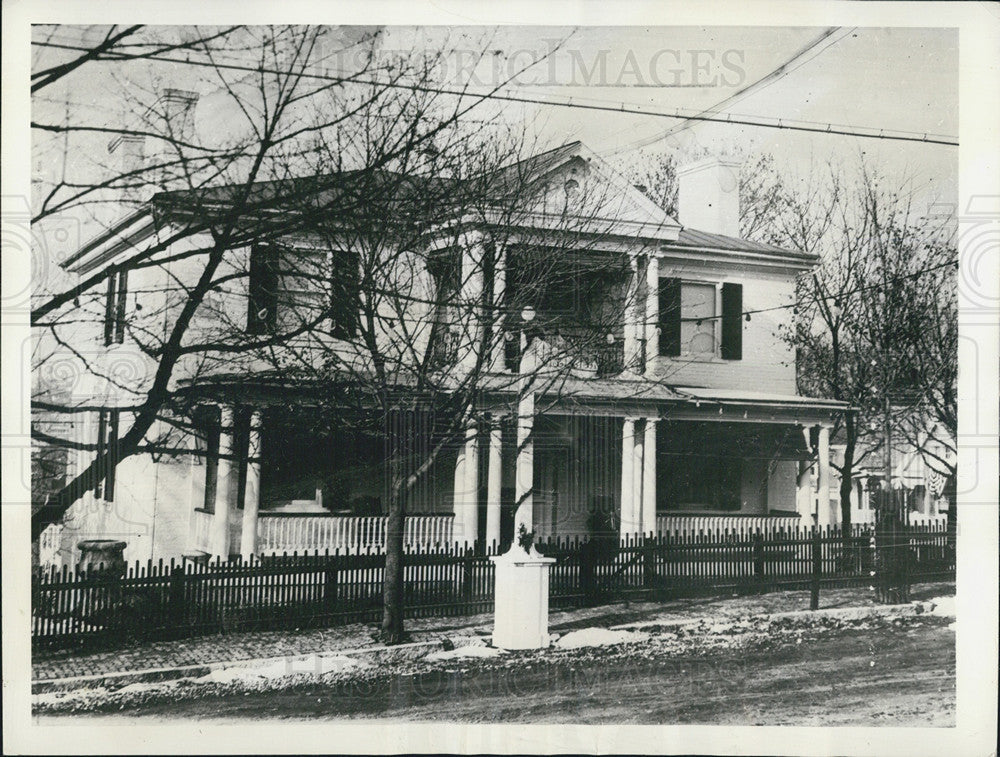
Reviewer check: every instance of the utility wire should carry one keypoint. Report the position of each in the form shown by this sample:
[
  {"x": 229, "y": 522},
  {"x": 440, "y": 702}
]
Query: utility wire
[
  {"x": 622, "y": 107},
  {"x": 765, "y": 81}
]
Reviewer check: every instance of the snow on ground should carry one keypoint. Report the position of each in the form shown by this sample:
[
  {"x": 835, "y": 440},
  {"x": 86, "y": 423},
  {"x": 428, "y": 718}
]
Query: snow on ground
[
  {"x": 944, "y": 607},
  {"x": 278, "y": 669},
  {"x": 599, "y": 637},
  {"x": 470, "y": 651}
]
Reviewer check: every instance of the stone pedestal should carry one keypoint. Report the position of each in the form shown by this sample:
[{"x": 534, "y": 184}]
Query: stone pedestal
[
  {"x": 104, "y": 555},
  {"x": 521, "y": 596}
]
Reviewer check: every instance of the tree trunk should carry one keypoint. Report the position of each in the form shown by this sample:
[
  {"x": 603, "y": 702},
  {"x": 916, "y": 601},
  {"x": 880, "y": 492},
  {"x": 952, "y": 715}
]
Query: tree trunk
[{"x": 392, "y": 585}]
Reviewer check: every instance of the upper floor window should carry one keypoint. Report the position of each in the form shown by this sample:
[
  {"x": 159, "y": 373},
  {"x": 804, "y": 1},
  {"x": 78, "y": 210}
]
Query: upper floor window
[
  {"x": 114, "y": 307},
  {"x": 294, "y": 289},
  {"x": 701, "y": 319}
]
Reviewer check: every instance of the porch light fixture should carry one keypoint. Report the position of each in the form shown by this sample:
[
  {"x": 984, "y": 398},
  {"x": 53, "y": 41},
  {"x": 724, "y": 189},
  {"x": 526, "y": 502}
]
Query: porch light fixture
[{"x": 528, "y": 314}]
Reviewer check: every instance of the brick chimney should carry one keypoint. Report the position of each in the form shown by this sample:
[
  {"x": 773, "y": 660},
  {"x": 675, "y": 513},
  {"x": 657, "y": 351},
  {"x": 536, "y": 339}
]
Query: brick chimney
[
  {"x": 172, "y": 114},
  {"x": 709, "y": 196}
]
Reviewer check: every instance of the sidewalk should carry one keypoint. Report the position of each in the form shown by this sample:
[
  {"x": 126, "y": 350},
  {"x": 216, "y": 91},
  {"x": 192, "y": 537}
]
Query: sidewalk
[{"x": 165, "y": 656}]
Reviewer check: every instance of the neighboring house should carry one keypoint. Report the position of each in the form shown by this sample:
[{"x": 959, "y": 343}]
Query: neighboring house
[
  {"x": 920, "y": 468},
  {"x": 688, "y": 419}
]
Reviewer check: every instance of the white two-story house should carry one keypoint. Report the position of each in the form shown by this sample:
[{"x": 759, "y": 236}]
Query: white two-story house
[{"x": 681, "y": 415}]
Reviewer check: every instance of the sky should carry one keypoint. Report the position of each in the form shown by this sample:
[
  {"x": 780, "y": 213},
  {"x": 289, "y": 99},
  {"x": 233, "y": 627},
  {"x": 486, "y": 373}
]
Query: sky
[{"x": 897, "y": 80}]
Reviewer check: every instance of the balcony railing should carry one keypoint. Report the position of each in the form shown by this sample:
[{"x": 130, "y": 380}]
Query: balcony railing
[
  {"x": 738, "y": 525},
  {"x": 288, "y": 532}
]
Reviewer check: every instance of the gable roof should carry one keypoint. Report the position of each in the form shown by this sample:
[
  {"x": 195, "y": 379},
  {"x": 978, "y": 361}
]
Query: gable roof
[{"x": 628, "y": 206}]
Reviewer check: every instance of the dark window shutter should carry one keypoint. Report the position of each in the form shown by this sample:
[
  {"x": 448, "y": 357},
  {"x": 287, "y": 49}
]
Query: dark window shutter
[
  {"x": 670, "y": 317},
  {"x": 345, "y": 294},
  {"x": 111, "y": 448},
  {"x": 732, "y": 321},
  {"x": 101, "y": 444},
  {"x": 120, "y": 307},
  {"x": 109, "y": 310},
  {"x": 262, "y": 308}
]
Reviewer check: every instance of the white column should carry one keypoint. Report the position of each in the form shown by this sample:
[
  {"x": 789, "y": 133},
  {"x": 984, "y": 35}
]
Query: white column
[
  {"x": 637, "y": 478},
  {"x": 627, "y": 507},
  {"x": 524, "y": 481},
  {"x": 631, "y": 341},
  {"x": 470, "y": 494},
  {"x": 471, "y": 287},
  {"x": 649, "y": 478},
  {"x": 652, "y": 313},
  {"x": 251, "y": 495},
  {"x": 223, "y": 485},
  {"x": 500, "y": 325},
  {"x": 494, "y": 483},
  {"x": 458, "y": 497},
  {"x": 823, "y": 461}
]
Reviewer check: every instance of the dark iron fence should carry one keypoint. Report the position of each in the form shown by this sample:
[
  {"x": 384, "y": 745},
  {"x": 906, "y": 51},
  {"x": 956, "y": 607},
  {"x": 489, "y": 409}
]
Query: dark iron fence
[{"x": 174, "y": 600}]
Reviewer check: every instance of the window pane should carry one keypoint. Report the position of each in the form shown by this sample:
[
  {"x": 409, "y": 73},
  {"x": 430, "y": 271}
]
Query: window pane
[{"x": 697, "y": 318}]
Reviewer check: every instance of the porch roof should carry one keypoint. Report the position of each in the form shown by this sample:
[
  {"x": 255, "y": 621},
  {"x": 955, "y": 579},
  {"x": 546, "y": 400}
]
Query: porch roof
[{"x": 640, "y": 396}]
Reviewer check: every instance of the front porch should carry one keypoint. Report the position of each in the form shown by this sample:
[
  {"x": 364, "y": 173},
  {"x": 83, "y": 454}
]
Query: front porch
[{"x": 647, "y": 461}]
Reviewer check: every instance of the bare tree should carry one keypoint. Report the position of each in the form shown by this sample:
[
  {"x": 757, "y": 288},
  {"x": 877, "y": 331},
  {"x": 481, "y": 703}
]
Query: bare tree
[{"x": 861, "y": 314}]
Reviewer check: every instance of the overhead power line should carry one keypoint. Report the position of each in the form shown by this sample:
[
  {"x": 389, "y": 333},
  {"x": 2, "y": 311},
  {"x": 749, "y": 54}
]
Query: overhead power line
[
  {"x": 765, "y": 81},
  {"x": 618, "y": 107}
]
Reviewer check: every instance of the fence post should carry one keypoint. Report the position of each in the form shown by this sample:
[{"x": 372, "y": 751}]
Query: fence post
[
  {"x": 757, "y": 555},
  {"x": 817, "y": 567},
  {"x": 648, "y": 564},
  {"x": 467, "y": 569},
  {"x": 330, "y": 586},
  {"x": 178, "y": 598}
]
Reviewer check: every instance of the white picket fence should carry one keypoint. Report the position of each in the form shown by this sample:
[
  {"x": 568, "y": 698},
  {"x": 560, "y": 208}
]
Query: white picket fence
[{"x": 277, "y": 534}]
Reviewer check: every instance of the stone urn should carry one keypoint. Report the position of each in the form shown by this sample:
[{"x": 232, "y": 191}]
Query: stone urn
[{"x": 103, "y": 557}]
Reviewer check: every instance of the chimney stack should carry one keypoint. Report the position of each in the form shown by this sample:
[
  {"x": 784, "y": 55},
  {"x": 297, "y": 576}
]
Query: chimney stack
[{"x": 709, "y": 196}]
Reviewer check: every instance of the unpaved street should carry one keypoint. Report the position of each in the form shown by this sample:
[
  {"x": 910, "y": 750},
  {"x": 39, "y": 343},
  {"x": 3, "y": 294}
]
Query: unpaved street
[{"x": 882, "y": 673}]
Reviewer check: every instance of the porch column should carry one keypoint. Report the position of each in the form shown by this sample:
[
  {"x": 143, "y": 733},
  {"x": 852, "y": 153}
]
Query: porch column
[
  {"x": 652, "y": 313},
  {"x": 627, "y": 508},
  {"x": 251, "y": 494},
  {"x": 524, "y": 479},
  {"x": 467, "y": 489},
  {"x": 493, "y": 483},
  {"x": 649, "y": 478},
  {"x": 631, "y": 340},
  {"x": 223, "y": 485},
  {"x": 823, "y": 461}
]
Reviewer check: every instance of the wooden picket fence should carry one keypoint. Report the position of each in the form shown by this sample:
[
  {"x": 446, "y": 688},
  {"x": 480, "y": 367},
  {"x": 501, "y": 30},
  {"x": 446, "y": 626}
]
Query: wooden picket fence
[{"x": 183, "y": 599}]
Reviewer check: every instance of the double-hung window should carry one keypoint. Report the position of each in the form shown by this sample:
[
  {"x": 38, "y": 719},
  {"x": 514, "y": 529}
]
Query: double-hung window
[{"x": 700, "y": 320}]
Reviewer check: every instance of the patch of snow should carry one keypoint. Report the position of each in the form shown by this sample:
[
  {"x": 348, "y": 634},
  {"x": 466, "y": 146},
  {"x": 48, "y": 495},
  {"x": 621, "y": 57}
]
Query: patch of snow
[
  {"x": 951, "y": 626},
  {"x": 944, "y": 607},
  {"x": 599, "y": 637},
  {"x": 469, "y": 651},
  {"x": 143, "y": 686}
]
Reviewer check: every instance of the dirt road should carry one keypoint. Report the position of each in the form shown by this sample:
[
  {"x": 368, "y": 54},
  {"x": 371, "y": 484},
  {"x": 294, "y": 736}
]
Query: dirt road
[{"x": 900, "y": 673}]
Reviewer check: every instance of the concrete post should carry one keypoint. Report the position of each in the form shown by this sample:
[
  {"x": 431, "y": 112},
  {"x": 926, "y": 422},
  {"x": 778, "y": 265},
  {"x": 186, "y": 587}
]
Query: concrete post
[
  {"x": 521, "y": 599},
  {"x": 494, "y": 483},
  {"x": 626, "y": 508},
  {"x": 251, "y": 495},
  {"x": 652, "y": 313},
  {"x": 224, "y": 485},
  {"x": 649, "y": 478}
]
